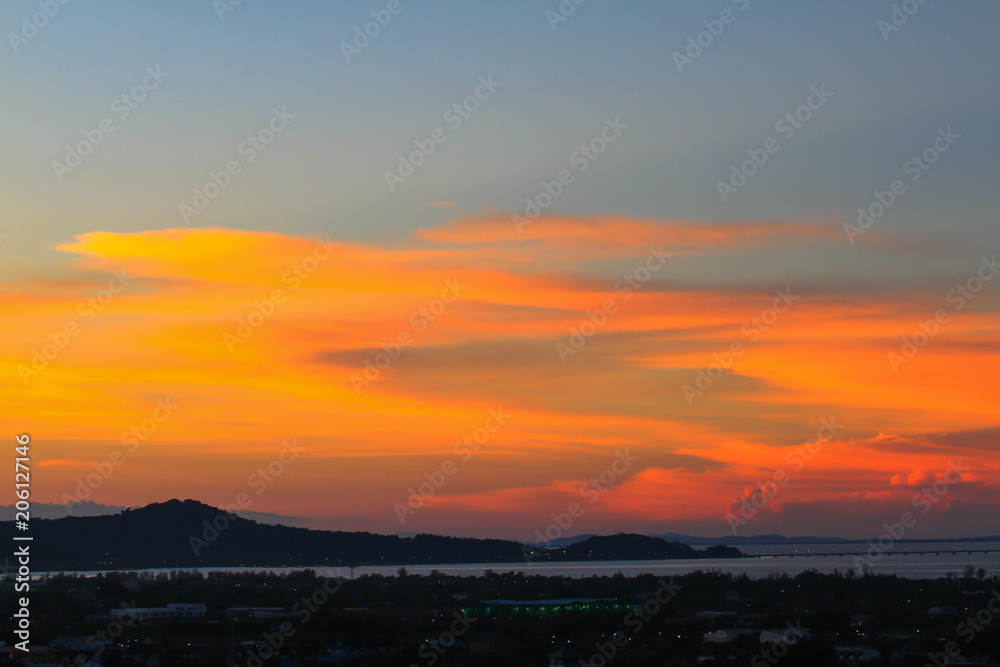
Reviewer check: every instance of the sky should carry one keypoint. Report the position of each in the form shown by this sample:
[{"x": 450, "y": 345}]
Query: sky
[{"x": 508, "y": 269}]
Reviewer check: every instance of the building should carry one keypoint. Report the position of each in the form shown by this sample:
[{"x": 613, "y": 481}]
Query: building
[
  {"x": 943, "y": 610},
  {"x": 714, "y": 615},
  {"x": 74, "y": 643},
  {"x": 189, "y": 609},
  {"x": 726, "y": 636},
  {"x": 334, "y": 653},
  {"x": 146, "y": 613},
  {"x": 569, "y": 657},
  {"x": 721, "y": 653},
  {"x": 37, "y": 656},
  {"x": 257, "y": 612},
  {"x": 486, "y": 608},
  {"x": 857, "y": 653},
  {"x": 789, "y": 636}
]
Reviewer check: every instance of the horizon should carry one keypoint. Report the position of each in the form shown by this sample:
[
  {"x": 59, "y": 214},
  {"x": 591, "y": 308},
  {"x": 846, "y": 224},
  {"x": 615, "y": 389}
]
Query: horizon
[
  {"x": 91, "y": 509},
  {"x": 719, "y": 269}
]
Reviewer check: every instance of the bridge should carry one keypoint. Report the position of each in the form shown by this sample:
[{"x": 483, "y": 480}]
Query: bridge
[{"x": 923, "y": 552}]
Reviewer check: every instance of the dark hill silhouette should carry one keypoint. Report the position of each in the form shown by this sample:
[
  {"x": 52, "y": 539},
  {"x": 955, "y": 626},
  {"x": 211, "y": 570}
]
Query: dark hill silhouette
[
  {"x": 636, "y": 547},
  {"x": 182, "y": 534}
]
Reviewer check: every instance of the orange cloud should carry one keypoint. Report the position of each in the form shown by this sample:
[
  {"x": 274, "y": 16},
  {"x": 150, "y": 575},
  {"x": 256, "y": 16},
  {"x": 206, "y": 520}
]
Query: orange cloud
[
  {"x": 466, "y": 317},
  {"x": 604, "y": 236}
]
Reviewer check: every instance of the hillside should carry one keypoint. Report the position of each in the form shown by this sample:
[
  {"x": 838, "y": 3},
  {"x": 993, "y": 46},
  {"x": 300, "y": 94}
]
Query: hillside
[{"x": 185, "y": 534}]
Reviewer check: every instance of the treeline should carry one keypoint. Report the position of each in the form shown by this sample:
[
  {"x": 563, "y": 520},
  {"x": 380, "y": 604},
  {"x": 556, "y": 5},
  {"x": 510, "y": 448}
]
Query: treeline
[{"x": 188, "y": 534}]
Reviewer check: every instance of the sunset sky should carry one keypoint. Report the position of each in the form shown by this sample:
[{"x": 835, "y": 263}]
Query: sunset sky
[{"x": 230, "y": 269}]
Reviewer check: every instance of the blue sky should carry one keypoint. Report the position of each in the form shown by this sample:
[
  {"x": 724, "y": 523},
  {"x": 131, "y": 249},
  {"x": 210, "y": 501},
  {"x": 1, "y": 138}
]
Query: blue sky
[{"x": 607, "y": 59}]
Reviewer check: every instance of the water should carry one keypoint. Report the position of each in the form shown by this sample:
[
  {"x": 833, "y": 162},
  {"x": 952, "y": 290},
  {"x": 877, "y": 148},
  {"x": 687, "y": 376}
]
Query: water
[
  {"x": 953, "y": 559},
  {"x": 913, "y": 566}
]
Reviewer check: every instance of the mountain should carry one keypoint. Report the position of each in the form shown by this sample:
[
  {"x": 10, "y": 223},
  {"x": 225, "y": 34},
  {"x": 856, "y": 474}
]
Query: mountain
[
  {"x": 184, "y": 534},
  {"x": 706, "y": 541},
  {"x": 751, "y": 539},
  {"x": 625, "y": 546},
  {"x": 58, "y": 510},
  {"x": 754, "y": 540},
  {"x": 90, "y": 508},
  {"x": 564, "y": 541}
]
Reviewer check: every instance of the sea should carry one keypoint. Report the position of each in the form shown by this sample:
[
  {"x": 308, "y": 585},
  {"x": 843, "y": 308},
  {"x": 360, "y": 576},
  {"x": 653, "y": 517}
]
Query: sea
[{"x": 914, "y": 560}]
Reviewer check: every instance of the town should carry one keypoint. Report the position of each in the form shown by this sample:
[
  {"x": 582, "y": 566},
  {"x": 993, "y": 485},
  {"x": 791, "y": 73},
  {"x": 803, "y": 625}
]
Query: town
[{"x": 266, "y": 619}]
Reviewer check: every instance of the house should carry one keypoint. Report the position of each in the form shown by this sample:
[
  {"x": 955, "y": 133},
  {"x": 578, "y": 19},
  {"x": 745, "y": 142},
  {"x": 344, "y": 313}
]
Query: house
[
  {"x": 257, "y": 612},
  {"x": 979, "y": 660},
  {"x": 39, "y": 656},
  {"x": 725, "y": 636},
  {"x": 74, "y": 644},
  {"x": 146, "y": 613},
  {"x": 856, "y": 653},
  {"x": 334, "y": 653},
  {"x": 789, "y": 635},
  {"x": 720, "y": 636},
  {"x": 943, "y": 610},
  {"x": 716, "y": 653},
  {"x": 714, "y": 615}
]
